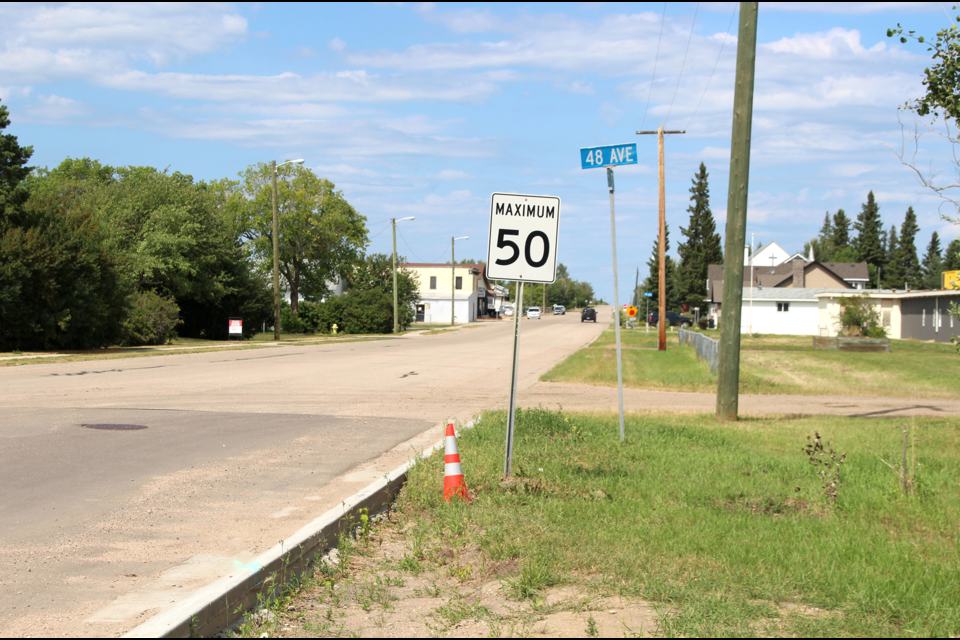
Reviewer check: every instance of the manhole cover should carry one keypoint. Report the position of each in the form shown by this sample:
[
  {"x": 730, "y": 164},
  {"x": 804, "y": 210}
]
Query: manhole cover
[{"x": 115, "y": 427}]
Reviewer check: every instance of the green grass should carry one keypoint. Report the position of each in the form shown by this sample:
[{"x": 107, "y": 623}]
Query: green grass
[
  {"x": 770, "y": 365},
  {"x": 725, "y": 527}
]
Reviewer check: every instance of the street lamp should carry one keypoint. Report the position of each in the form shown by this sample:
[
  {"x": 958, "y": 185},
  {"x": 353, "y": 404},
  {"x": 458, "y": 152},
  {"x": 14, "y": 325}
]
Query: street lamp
[
  {"x": 453, "y": 279},
  {"x": 276, "y": 249},
  {"x": 396, "y": 319}
]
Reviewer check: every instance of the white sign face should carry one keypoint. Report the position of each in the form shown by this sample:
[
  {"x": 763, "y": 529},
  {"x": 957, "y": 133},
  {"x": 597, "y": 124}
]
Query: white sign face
[
  {"x": 236, "y": 327},
  {"x": 523, "y": 238}
]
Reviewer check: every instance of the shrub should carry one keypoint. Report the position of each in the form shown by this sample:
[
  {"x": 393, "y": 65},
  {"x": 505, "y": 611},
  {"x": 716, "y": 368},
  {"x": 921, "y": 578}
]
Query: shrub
[
  {"x": 858, "y": 318},
  {"x": 289, "y": 322},
  {"x": 151, "y": 319},
  {"x": 358, "y": 312}
]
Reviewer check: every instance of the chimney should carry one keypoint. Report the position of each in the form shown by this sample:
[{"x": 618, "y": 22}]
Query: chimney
[{"x": 798, "y": 265}]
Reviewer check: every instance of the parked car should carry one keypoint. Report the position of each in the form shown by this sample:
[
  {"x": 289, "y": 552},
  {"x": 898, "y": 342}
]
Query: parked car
[
  {"x": 588, "y": 313},
  {"x": 507, "y": 310},
  {"x": 533, "y": 312},
  {"x": 673, "y": 319},
  {"x": 559, "y": 310}
]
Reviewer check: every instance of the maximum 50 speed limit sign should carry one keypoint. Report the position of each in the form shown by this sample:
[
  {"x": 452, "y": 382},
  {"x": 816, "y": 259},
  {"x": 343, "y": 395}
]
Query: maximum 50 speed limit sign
[{"x": 523, "y": 238}]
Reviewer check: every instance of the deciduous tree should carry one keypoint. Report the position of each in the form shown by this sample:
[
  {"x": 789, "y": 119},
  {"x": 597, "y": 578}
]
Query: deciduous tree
[{"x": 321, "y": 234}]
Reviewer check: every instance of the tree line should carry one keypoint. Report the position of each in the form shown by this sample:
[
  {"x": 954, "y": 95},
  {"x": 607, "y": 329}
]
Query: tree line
[
  {"x": 892, "y": 258},
  {"x": 93, "y": 255}
]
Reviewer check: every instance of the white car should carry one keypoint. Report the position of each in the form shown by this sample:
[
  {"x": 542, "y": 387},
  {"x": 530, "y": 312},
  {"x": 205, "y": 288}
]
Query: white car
[
  {"x": 533, "y": 312},
  {"x": 507, "y": 310}
]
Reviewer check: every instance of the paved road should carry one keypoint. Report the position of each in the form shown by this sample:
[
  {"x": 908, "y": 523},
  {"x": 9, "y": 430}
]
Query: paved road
[{"x": 99, "y": 528}]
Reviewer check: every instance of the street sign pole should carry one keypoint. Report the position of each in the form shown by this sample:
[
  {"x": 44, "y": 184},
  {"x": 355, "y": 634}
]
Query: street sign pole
[
  {"x": 616, "y": 297},
  {"x": 508, "y": 455},
  {"x": 522, "y": 246},
  {"x": 610, "y": 157}
]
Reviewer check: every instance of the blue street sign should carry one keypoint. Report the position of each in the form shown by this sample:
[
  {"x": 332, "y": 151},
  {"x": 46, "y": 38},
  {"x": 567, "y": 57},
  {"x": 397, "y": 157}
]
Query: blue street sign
[
  {"x": 647, "y": 294},
  {"x": 595, "y": 157}
]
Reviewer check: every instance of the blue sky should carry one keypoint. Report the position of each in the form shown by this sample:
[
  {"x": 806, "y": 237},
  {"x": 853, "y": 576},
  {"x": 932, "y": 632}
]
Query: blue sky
[{"x": 425, "y": 110}]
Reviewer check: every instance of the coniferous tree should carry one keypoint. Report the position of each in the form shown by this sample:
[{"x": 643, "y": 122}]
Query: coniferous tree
[
  {"x": 841, "y": 231},
  {"x": 58, "y": 283},
  {"x": 652, "y": 283},
  {"x": 822, "y": 245},
  {"x": 892, "y": 272},
  {"x": 951, "y": 257},
  {"x": 909, "y": 264},
  {"x": 932, "y": 263},
  {"x": 870, "y": 236},
  {"x": 702, "y": 246},
  {"x": 13, "y": 171}
]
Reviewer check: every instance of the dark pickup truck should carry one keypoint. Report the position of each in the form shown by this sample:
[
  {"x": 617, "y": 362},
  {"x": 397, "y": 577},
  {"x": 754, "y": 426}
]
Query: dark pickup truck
[
  {"x": 588, "y": 313},
  {"x": 673, "y": 319}
]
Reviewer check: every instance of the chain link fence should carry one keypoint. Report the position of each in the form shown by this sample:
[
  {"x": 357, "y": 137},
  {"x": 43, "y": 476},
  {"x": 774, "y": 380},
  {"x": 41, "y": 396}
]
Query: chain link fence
[{"x": 708, "y": 349}]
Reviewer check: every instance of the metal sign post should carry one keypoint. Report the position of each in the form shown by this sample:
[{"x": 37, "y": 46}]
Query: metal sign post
[
  {"x": 648, "y": 296},
  {"x": 522, "y": 247},
  {"x": 609, "y": 157},
  {"x": 508, "y": 457}
]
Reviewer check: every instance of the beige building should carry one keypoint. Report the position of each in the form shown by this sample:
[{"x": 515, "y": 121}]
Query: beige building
[{"x": 466, "y": 282}]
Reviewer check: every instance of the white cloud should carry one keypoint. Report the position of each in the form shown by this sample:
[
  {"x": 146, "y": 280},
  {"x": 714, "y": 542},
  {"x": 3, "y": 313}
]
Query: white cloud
[
  {"x": 162, "y": 33},
  {"x": 452, "y": 174},
  {"x": 832, "y": 44},
  {"x": 578, "y": 87},
  {"x": 850, "y": 8},
  {"x": 344, "y": 86},
  {"x": 337, "y": 45},
  {"x": 52, "y": 109}
]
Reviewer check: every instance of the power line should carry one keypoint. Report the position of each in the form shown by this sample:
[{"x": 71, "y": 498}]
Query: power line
[
  {"x": 408, "y": 246},
  {"x": 381, "y": 231},
  {"x": 683, "y": 64},
  {"x": 655, "y": 61},
  {"x": 722, "y": 45}
]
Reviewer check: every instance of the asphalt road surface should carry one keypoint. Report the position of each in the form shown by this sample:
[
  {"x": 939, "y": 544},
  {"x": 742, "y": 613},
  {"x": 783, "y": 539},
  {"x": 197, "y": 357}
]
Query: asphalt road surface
[{"x": 102, "y": 528}]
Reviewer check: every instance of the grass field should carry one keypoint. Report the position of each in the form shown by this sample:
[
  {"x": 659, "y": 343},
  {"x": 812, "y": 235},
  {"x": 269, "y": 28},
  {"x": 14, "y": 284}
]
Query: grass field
[
  {"x": 770, "y": 365},
  {"x": 726, "y": 528}
]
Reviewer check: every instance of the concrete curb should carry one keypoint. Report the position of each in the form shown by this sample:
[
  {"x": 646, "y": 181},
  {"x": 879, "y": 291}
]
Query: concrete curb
[{"x": 213, "y": 608}]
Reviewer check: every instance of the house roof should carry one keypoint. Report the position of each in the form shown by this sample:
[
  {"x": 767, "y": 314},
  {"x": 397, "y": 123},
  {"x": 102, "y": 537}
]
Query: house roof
[
  {"x": 890, "y": 293},
  {"x": 850, "y": 271},
  {"x": 787, "y": 294},
  {"x": 774, "y": 276},
  {"x": 437, "y": 265}
]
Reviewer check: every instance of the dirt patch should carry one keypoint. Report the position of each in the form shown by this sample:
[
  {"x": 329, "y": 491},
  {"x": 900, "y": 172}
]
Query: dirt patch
[{"x": 386, "y": 586}]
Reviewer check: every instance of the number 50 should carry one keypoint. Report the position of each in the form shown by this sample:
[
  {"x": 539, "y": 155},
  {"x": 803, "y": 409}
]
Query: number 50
[{"x": 503, "y": 242}]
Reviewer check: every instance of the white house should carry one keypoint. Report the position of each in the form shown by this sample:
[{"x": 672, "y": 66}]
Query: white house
[
  {"x": 770, "y": 255},
  {"x": 781, "y": 311},
  {"x": 437, "y": 280}
]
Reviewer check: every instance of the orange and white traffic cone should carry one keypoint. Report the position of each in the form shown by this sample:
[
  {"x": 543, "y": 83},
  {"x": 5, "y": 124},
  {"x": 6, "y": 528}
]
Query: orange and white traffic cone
[{"x": 453, "y": 484}]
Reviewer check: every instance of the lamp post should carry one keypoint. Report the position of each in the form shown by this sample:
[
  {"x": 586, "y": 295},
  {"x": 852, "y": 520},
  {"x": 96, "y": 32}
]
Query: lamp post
[
  {"x": 396, "y": 318},
  {"x": 276, "y": 248},
  {"x": 453, "y": 279}
]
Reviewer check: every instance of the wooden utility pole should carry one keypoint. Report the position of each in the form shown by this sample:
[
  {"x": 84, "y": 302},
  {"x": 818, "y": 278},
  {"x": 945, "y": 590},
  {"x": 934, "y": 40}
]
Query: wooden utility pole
[
  {"x": 728, "y": 377},
  {"x": 662, "y": 293}
]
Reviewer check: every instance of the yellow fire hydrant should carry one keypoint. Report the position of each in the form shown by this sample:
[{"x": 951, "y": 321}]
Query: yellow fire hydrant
[{"x": 334, "y": 327}]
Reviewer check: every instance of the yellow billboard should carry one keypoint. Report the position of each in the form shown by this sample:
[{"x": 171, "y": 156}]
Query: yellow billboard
[{"x": 951, "y": 279}]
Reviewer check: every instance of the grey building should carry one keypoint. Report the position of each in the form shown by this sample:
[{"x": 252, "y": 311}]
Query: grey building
[{"x": 925, "y": 315}]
